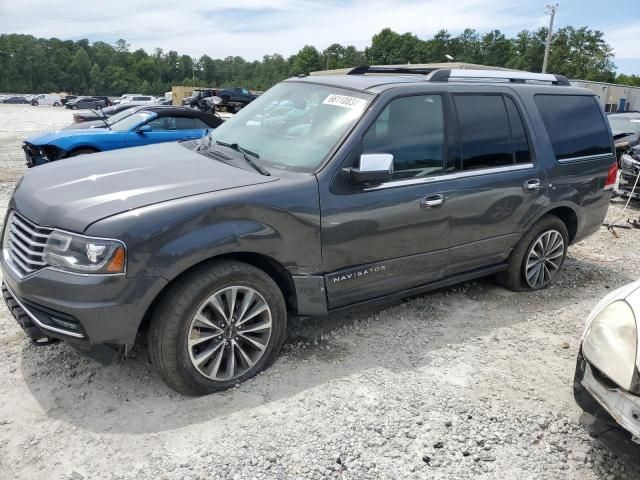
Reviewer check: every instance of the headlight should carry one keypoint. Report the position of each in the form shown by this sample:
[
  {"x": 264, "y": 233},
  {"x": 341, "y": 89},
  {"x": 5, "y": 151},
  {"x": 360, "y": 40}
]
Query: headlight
[
  {"x": 610, "y": 343},
  {"x": 84, "y": 254}
]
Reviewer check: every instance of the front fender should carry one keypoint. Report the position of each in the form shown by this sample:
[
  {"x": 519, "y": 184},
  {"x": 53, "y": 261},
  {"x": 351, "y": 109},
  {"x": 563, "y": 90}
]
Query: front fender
[{"x": 166, "y": 239}]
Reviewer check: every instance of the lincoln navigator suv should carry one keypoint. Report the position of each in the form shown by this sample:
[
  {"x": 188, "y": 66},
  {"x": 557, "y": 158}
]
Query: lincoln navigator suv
[{"x": 326, "y": 193}]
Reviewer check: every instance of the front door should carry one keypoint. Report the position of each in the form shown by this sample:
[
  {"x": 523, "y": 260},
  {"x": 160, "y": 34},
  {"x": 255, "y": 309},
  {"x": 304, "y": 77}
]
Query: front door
[
  {"x": 167, "y": 129},
  {"x": 385, "y": 238}
]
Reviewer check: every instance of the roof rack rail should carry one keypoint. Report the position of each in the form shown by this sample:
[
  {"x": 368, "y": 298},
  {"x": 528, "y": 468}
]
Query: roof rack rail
[
  {"x": 444, "y": 75},
  {"x": 402, "y": 70}
]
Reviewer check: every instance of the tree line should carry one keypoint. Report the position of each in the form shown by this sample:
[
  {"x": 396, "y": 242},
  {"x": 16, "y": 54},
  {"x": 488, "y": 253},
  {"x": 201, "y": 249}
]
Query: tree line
[{"x": 36, "y": 65}]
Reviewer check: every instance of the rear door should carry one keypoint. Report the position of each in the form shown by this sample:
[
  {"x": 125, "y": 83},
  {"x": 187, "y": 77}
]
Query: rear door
[{"x": 500, "y": 184}]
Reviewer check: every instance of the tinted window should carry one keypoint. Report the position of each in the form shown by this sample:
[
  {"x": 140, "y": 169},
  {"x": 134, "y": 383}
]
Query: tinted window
[
  {"x": 484, "y": 131},
  {"x": 574, "y": 124},
  {"x": 186, "y": 123},
  {"x": 518, "y": 134},
  {"x": 412, "y": 130}
]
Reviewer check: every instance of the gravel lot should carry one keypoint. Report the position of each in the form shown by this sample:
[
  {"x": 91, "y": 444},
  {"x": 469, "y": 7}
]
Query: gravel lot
[{"x": 468, "y": 382}]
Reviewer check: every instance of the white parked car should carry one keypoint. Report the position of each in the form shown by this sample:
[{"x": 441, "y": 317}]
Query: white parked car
[
  {"x": 607, "y": 379},
  {"x": 126, "y": 96},
  {"x": 140, "y": 99},
  {"x": 46, "y": 99}
]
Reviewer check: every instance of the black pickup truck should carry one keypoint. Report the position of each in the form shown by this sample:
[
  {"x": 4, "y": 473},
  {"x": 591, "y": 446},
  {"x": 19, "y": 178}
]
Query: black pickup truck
[{"x": 326, "y": 193}]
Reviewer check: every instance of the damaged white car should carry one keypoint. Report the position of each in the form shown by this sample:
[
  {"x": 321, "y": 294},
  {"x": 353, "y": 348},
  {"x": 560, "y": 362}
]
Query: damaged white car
[{"x": 607, "y": 380}]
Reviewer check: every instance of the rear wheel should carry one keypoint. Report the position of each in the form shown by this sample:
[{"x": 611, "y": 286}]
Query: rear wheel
[
  {"x": 219, "y": 325},
  {"x": 56, "y": 104},
  {"x": 536, "y": 260},
  {"x": 74, "y": 107}
]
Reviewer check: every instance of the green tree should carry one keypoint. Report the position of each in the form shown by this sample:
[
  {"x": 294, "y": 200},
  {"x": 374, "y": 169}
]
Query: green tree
[{"x": 307, "y": 60}]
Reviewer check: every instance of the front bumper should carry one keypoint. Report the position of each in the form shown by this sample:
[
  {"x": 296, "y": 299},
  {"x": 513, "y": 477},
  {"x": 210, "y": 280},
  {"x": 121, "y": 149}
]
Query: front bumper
[
  {"x": 83, "y": 309},
  {"x": 611, "y": 414}
]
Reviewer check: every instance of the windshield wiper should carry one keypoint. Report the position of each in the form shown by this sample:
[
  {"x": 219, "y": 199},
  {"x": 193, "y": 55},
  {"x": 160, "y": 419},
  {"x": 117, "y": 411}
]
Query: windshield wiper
[{"x": 247, "y": 154}]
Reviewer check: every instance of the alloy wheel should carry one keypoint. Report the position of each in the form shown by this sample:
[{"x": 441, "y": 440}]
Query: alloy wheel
[
  {"x": 544, "y": 259},
  {"x": 229, "y": 333}
]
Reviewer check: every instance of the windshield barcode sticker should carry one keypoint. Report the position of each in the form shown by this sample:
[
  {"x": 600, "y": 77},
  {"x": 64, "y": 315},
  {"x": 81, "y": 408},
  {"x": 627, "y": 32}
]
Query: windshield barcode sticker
[{"x": 345, "y": 101}]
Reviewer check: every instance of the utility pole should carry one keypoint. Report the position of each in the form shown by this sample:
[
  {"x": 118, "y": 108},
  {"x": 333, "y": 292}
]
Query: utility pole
[{"x": 551, "y": 10}]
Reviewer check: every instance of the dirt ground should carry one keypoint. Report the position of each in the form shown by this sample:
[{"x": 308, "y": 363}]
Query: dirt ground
[{"x": 468, "y": 382}]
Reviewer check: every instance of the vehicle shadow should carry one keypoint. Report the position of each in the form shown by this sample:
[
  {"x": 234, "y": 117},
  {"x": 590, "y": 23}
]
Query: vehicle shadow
[{"x": 129, "y": 397}]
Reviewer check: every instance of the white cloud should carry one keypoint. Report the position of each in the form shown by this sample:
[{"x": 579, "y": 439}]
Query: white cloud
[
  {"x": 624, "y": 41},
  {"x": 253, "y": 28},
  {"x": 196, "y": 27}
]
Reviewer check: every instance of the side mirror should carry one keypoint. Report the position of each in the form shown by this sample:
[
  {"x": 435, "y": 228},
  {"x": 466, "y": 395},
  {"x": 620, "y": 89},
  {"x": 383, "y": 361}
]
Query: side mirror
[
  {"x": 374, "y": 168},
  {"x": 144, "y": 129}
]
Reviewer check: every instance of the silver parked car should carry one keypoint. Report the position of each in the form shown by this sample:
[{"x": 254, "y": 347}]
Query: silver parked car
[{"x": 607, "y": 379}]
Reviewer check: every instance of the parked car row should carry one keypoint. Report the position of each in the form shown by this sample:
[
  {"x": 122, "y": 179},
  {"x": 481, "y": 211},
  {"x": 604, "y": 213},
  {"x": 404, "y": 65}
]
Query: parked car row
[{"x": 231, "y": 98}]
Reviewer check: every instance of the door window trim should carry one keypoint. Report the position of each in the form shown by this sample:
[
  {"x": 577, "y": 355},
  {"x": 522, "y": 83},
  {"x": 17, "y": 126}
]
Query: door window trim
[
  {"x": 523, "y": 119},
  {"x": 451, "y": 176}
]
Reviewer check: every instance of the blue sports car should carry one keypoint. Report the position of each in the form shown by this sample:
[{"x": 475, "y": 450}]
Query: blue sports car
[{"x": 154, "y": 124}]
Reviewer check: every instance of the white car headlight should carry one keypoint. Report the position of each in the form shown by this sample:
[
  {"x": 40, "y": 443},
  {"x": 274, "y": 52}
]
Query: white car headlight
[
  {"x": 82, "y": 254},
  {"x": 610, "y": 343}
]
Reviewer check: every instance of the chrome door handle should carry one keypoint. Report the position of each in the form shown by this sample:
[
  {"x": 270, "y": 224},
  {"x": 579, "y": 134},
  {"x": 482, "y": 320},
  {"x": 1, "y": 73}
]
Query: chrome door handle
[
  {"x": 532, "y": 185},
  {"x": 432, "y": 201}
]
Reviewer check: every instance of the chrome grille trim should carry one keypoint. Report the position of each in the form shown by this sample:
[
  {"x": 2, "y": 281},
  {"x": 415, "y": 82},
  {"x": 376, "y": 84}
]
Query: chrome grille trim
[{"x": 26, "y": 242}]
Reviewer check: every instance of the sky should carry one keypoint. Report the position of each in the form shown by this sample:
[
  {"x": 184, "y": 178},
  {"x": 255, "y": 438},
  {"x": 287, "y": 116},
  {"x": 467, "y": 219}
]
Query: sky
[{"x": 254, "y": 28}]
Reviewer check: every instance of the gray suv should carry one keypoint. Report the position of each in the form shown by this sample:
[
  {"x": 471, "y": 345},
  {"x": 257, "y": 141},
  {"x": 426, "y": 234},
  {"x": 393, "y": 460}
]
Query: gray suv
[{"x": 326, "y": 193}]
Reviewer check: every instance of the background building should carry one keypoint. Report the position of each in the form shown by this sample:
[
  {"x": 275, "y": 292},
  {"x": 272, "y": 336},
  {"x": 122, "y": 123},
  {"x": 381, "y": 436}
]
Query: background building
[{"x": 613, "y": 97}]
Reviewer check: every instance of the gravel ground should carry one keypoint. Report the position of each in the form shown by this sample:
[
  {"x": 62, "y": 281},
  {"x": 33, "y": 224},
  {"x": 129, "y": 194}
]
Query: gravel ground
[{"x": 468, "y": 382}]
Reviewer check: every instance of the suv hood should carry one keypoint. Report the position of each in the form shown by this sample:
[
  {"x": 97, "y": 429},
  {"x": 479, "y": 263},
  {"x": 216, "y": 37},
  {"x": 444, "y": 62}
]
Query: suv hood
[{"x": 73, "y": 193}]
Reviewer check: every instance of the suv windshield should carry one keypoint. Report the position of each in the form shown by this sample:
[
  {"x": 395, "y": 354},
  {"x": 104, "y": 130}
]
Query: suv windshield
[
  {"x": 132, "y": 121},
  {"x": 294, "y": 126},
  {"x": 627, "y": 125}
]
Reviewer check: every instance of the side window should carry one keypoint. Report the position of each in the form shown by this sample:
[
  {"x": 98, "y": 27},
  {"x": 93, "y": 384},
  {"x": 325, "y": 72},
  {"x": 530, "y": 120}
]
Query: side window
[
  {"x": 199, "y": 124},
  {"x": 162, "y": 123},
  {"x": 574, "y": 124},
  {"x": 185, "y": 123},
  {"x": 484, "y": 131},
  {"x": 412, "y": 130},
  {"x": 519, "y": 140}
]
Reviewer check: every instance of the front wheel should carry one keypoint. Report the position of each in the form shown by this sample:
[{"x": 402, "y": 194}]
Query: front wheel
[
  {"x": 74, "y": 107},
  {"x": 536, "y": 260},
  {"x": 219, "y": 325},
  {"x": 56, "y": 104}
]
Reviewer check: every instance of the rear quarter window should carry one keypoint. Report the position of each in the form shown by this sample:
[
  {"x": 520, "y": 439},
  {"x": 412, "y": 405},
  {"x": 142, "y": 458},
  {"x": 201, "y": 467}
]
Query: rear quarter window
[{"x": 575, "y": 125}]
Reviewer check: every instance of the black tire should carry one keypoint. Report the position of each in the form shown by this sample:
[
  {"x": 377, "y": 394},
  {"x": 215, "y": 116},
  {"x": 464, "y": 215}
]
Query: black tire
[
  {"x": 81, "y": 151},
  {"x": 56, "y": 104},
  {"x": 74, "y": 107},
  {"x": 34, "y": 103},
  {"x": 514, "y": 278},
  {"x": 172, "y": 316}
]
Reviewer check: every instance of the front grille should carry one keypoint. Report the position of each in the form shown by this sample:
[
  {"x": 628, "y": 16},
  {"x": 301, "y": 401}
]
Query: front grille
[{"x": 26, "y": 242}]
